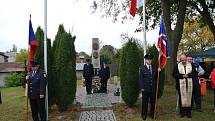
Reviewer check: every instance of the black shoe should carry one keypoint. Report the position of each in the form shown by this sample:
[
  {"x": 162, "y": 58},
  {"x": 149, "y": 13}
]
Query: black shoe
[
  {"x": 151, "y": 115},
  {"x": 199, "y": 110},
  {"x": 182, "y": 115},
  {"x": 189, "y": 116},
  {"x": 143, "y": 117}
]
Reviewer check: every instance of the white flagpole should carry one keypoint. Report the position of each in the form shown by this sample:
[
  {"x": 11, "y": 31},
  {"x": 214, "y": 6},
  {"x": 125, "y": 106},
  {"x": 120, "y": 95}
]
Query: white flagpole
[
  {"x": 144, "y": 29},
  {"x": 45, "y": 53}
]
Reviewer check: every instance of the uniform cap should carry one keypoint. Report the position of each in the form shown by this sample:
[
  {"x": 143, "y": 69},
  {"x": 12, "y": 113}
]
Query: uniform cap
[
  {"x": 34, "y": 63},
  {"x": 148, "y": 56}
]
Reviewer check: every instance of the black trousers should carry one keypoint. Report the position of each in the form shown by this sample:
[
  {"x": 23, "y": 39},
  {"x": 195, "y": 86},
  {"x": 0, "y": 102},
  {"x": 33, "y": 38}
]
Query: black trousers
[
  {"x": 196, "y": 98},
  {"x": 38, "y": 107},
  {"x": 184, "y": 111},
  {"x": 146, "y": 96},
  {"x": 88, "y": 82},
  {"x": 104, "y": 85}
]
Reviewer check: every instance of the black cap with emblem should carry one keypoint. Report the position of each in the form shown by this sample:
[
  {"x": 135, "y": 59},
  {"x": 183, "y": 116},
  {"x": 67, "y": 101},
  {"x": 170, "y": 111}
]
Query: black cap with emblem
[
  {"x": 34, "y": 63},
  {"x": 148, "y": 56}
]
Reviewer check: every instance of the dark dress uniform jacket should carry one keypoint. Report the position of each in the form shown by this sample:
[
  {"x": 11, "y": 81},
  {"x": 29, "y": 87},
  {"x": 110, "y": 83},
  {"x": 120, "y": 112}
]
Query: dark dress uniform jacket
[
  {"x": 147, "y": 80},
  {"x": 37, "y": 84},
  {"x": 104, "y": 73},
  {"x": 88, "y": 71}
]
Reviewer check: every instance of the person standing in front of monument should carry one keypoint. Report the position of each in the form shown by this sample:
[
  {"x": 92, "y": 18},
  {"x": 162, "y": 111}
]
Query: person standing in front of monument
[
  {"x": 88, "y": 74},
  {"x": 104, "y": 74},
  {"x": 147, "y": 80},
  {"x": 184, "y": 73}
]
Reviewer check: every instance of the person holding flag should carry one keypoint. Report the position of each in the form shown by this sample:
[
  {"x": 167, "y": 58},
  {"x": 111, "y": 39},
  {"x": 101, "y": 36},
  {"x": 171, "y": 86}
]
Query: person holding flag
[
  {"x": 147, "y": 82},
  {"x": 36, "y": 82},
  {"x": 37, "y": 91}
]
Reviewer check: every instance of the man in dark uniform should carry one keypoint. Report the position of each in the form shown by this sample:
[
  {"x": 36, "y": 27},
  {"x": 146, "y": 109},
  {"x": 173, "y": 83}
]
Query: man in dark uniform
[
  {"x": 88, "y": 74},
  {"x": 104, "y": 74},
  {"x": 184, "y": 73},
  {"x": 147, "y": 80},
  {"x": 197, "y": 99},
  {"x": 36, "y": 92}
]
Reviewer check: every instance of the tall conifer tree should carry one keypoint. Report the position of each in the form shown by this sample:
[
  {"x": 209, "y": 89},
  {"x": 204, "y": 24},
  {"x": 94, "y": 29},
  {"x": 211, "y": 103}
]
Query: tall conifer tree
[
  {"x": 129, "y": 72},
  {"x": 65, "y": 56}
]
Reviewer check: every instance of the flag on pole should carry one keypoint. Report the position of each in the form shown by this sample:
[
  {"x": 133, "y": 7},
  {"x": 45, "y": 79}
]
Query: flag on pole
[
  {"x": 133, "y": 8},
  {"x": 32, "y": 44},
  {"x": 135, "y": 4},
  {"x": 162, "y": 45}
]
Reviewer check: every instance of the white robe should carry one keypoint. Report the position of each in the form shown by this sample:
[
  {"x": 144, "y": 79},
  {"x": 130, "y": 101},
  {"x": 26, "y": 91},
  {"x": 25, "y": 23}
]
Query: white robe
[{"x": 186, "y": 89}]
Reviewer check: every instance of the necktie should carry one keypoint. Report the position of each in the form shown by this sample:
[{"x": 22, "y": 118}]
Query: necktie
[{"x": 150, "y": 69}]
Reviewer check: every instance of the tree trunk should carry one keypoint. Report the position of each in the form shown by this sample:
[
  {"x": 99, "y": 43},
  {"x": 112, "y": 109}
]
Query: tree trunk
[
  {"x": 207, "y": 18},
  {"x": 171, "y": 62},
  {"x": 206, "y": 15},
  {"x": 173, "y": 36}
]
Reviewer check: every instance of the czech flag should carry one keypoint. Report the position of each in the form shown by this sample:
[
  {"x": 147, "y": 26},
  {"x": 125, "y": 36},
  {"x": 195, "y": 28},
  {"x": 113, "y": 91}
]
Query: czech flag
[
  {"x": 162, "y": 45},
  {"x": 32, "y": 44}
]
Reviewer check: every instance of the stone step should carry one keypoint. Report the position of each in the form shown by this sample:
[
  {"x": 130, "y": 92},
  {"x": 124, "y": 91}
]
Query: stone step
[
  {"x": 103, "y": 115},
  {"x": 96, "y": 100}
]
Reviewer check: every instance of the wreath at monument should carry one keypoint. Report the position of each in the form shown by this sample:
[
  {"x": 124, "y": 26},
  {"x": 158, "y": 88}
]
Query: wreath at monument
[
  {"x": 95, "y": 55},
  {"x": 95, "y": 46}
]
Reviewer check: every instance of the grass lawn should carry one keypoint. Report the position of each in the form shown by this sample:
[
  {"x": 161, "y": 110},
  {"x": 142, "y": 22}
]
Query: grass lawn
[
  {"x": 13, "y": 108},
  {"x": 167, "y": 109},
  {"x": 13, "y": 104}
]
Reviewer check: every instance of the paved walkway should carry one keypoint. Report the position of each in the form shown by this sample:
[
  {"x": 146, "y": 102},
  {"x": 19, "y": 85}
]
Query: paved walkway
[{"x": 97, "y": 106}]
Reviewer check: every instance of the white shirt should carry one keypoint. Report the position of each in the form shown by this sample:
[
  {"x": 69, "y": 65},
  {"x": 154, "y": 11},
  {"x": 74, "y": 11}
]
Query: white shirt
[{"x": 149, "y": 66}]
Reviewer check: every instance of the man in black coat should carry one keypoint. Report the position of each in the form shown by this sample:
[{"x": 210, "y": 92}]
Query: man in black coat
[
  {"x": 197, "y": 99},
  {"x": 184, "y": 73},
  {"x": 88, "y": 74},
  {"x": 104, "y": 74},
  {"x": 37, "y": 91},
  {"x": 147, "y": 80}
]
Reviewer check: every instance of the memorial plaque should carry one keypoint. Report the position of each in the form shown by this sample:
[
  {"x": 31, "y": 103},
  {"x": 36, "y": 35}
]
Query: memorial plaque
[{"x": 95, "y": 53}]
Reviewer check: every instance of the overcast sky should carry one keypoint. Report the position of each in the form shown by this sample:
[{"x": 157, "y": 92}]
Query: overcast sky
[{"x": 76, "y": 16}]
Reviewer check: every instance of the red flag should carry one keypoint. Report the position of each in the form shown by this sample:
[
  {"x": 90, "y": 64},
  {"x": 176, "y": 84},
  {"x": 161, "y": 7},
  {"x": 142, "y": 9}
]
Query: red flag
[
  {"x": 133, "y": 7},
  {"x": 162, "y": 45},
  {"x": 32, "y": 45}
]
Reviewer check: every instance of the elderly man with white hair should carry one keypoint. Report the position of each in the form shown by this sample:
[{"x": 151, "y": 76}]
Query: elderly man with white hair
[{"x": 184, "y": 73}]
